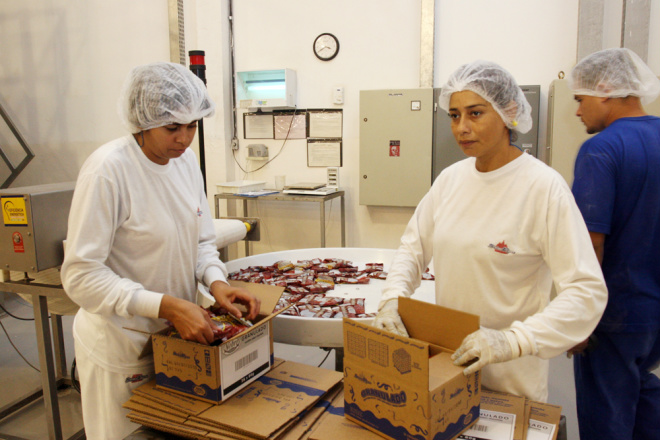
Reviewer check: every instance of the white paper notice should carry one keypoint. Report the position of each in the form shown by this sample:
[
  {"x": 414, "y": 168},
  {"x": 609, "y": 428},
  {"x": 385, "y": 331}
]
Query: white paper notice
[
  {"x": 492, "y": 425},
  {"x": 540, "y": 430}
]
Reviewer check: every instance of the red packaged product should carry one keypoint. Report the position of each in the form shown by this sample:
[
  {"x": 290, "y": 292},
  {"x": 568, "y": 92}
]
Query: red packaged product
[
  {"x": 298, "y": 290},
  {"x": 427, "y": 275},
  {"x": 308, "y": 311},
  {"x": 325, "y": 312},
  {"x": 348, "y": 311},
  {"x": 378, "y": 275},
  {"x": 325, "y": 301},
  {"x": 373, "y": 267},
  {"x": 320, "y": 287}
]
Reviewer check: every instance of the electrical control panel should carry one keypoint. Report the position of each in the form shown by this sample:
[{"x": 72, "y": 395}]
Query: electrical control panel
[{"x": 396, "y": 140}]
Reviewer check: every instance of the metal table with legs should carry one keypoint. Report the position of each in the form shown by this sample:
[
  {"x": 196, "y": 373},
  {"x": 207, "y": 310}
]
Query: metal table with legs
[
  {"x": 53, "y": 368},
  {"x": 280, "y": 197}
]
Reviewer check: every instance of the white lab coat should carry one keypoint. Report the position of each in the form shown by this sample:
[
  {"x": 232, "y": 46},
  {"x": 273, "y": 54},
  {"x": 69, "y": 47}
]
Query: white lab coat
[
  {"x": 498, "y": 240},
  {"x": 137, "y": 230}
]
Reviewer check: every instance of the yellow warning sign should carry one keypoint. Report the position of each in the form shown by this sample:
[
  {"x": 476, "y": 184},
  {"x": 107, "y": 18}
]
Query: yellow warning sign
[{"x": 13, "y": 211}]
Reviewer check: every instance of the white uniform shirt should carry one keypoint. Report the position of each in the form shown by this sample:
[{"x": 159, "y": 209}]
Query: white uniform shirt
[
  {"x": 498, "y": 240},
  {"x": 137, "y": 230}
]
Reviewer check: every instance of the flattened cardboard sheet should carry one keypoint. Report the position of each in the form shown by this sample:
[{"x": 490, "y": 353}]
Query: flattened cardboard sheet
[
  {"x": 288, "y": 400},
  {"x": 313, "y": 415},
  {"x": 282, "y": 394}
]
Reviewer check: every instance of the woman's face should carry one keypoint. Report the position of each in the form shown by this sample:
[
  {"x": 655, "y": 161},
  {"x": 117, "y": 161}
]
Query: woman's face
[
  {"x": 168, "y": 142},
  {"x": 477, "y": 127}
]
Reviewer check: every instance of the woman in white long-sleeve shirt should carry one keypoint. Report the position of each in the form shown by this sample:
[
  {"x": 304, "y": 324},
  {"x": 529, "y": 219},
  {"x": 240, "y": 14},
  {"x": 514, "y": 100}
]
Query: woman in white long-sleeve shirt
[
  {"x": 500, "y": 228},
  {"x": 139, "y": 238}
]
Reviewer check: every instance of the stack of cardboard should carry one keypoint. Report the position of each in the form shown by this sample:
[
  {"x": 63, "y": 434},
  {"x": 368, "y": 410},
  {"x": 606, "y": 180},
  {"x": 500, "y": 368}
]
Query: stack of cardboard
[
  {"x": 286, "y": 400},
  {"x": 291, "y": 402}
]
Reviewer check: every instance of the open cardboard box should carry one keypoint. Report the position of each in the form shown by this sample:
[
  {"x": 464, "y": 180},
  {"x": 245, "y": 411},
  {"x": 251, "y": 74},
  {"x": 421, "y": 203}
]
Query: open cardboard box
[
  {"x": 213, "y": 373},
  {"x": 409, "y": 387}
]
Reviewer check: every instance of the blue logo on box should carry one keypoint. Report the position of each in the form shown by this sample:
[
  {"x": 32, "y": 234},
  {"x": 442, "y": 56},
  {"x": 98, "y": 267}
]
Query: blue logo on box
[{"x": 394, "y": 399}]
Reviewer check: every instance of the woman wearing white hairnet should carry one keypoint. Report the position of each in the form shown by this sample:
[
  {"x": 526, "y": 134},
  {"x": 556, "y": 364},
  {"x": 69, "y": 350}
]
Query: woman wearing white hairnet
[
  {"x": 140, "y": 237},
  {"x": 500, "y": 228}
]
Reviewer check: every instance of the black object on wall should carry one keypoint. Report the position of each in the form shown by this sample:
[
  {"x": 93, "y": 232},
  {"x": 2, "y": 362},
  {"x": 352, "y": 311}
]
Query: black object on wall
[{"x": 198, "y": 67}]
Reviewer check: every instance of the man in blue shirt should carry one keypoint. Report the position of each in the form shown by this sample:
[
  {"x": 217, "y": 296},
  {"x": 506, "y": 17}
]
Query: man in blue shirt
[{"x": 617, "y": 188}]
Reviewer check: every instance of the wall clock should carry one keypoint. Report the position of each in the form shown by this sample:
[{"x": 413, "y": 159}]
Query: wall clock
[{"x": 326, "y": 47}]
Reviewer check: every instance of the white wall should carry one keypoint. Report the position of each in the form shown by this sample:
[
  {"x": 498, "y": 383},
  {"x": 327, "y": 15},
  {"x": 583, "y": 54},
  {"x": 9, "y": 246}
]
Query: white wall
[{"x": 64, "y": 61}]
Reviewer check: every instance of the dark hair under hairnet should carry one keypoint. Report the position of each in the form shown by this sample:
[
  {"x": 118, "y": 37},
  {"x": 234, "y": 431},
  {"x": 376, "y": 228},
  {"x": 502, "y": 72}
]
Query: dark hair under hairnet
[{"x": 497, "y": 86}]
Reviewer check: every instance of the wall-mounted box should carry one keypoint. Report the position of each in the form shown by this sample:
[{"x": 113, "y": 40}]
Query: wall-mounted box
[
  {"x": 34, "y": 226},
  {"x": 266, "y": 89},
  {"x": 396, "y": 140}
]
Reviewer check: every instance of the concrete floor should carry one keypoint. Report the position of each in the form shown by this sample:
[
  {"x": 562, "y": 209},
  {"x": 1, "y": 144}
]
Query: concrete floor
[{"x": 18, "y": 379}]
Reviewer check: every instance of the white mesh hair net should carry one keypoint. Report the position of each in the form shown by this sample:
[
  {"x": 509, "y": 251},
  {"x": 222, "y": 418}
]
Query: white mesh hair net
[
  {"x": 495, "y": 85},
  {"x": 160, "y": 94},
  {"x": 614, "y": 73}
]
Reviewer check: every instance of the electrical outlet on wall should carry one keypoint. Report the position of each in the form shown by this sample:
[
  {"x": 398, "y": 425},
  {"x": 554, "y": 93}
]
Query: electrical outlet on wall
[
  {"x": 257, "y": 152},
  {"x": 338, "y": 95}
]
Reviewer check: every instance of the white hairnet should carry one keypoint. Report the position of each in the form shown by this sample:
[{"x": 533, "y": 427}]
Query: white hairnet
[
  {"x": 614, "y": 73},
  {"x": 495, "y": 85},
  {"x": 160, "y": 94}
]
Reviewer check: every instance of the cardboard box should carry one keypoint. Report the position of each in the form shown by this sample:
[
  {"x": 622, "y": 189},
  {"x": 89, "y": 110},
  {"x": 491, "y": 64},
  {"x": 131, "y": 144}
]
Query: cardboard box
[
  {"x": 213, "y": 373},
  {"x": 334, "y": 426},
  {"x": 502, "y": 416},
  {"x": 506, "y": 416},
  {"x": 406, "y": 388},
  {"x": 543, "y": 420}
]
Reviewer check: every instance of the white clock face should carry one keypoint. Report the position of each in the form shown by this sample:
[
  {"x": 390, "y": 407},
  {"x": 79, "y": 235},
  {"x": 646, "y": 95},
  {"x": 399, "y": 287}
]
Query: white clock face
[{"x": 326, "y": 47}]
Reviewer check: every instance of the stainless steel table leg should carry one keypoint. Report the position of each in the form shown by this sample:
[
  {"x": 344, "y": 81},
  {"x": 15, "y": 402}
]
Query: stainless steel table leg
[
  {"x": 322, "y": 223},
  {"x": 339, "y": 359},
  {"x": 58, "y": 341},
  {"x": 245, "y": 214},
  {"x": 48, "y": 379},
  {"x": 343, "y": 222}
]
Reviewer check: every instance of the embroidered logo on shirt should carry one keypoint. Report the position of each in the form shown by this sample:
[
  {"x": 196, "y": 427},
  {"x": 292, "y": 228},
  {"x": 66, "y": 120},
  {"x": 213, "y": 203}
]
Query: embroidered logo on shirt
[
  {"x": 501, "y": 248},
  {"x": 199, "y": 212}
]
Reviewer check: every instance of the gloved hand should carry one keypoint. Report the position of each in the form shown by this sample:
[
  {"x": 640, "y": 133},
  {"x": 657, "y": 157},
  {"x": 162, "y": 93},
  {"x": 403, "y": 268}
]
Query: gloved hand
[
  {"x": 486, "y": 346},
  {"x": 388, "y": 317}
]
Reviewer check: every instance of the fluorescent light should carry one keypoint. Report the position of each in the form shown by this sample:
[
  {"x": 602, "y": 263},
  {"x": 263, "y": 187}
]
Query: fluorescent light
[{"x": 266, "y": 87}]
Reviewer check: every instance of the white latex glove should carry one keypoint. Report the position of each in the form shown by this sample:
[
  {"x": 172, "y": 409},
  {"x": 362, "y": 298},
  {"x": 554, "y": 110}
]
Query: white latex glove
[
  {"x": 388, "y": 317},
  {"x": 486, "y": 346}
]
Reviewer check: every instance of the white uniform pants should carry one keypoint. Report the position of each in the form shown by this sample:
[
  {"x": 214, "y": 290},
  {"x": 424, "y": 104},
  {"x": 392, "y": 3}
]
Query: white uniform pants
[{"x": 103, "y": 393}]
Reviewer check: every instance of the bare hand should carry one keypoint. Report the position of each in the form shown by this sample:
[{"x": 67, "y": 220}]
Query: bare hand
[
  {"x": 225, "y": 295},
  {"x": 578, "y": 349},
  {"x": 190, "y": 320}
]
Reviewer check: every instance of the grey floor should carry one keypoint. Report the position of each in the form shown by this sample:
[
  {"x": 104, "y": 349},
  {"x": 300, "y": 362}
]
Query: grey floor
[{"x": 18, "y": 379}]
